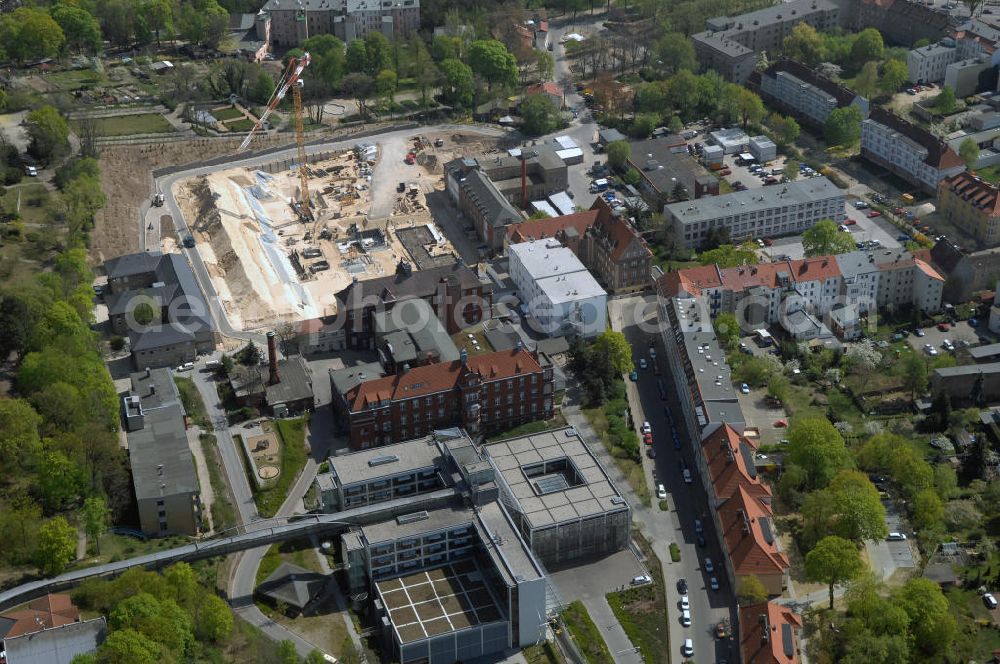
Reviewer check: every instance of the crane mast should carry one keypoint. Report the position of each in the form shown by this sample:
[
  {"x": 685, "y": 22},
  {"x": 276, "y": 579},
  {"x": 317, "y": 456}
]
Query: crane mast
[{"x": 292, "y": 78}]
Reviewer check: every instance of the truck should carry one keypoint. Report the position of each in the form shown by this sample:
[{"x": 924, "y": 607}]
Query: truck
[{"x": 158, "y": 200}]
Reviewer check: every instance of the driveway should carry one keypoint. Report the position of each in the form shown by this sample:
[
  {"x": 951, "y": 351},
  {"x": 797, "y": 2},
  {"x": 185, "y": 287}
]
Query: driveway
[{"x": 887, "y": 557}]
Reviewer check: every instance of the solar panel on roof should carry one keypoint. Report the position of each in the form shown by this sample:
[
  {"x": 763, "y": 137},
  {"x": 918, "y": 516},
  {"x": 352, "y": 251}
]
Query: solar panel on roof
[
  {"x": 765, "y": 529},
  {"x": 787, "y": 640}
]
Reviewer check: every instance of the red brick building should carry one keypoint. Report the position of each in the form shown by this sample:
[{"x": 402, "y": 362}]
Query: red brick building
[
  {"x": 456, "y": 294},
  {"x": 490, "y": 392}
]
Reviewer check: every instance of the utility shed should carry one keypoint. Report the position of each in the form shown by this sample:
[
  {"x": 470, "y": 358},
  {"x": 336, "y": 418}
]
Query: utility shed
[{"x": 763, "y": 149}]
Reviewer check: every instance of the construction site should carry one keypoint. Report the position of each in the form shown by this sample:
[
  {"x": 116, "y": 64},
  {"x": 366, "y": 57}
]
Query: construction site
[{"x": 276, "y": 255}]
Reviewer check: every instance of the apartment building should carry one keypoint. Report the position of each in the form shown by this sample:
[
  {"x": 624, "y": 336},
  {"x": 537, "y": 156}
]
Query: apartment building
[
  {"x": 489, "y": 392},
  {"x": 730, "y": 44},
  {"x": 912, "y": 153},
  {"x": 181, "y": 325},
  {"x": 803, "y": 93},
  {"x": 167, "y": 492},
  {"x": 782, "y": 209},
  {"x": 902, "y": 22},
  {"x": 928, "y": 64},
  {"x": 973, "y": 205},
  {"x": 294, "y": 21},
  {"x": 557, "y": 290},
  {"x": 906, "y": 280},
  {"x": 455, "y": 293},
  {"x": 702, "y": 378},
  {"x": 602, "y": 238}
]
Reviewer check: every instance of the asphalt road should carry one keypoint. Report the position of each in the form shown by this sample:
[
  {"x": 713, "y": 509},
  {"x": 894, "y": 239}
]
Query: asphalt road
[{"x": 687, "y": 501}]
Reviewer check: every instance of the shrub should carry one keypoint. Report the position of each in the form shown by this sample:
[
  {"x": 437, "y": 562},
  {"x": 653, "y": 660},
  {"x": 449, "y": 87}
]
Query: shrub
[
  {"x": 675, "y": 552},
  {"x": 665, "y": 506},
  {"x": 117, "y": 343}
]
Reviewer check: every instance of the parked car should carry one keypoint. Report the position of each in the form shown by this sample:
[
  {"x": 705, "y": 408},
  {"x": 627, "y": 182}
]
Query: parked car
[
  {"x": 686, "y": 618},
  {"x": 713, "y": 583},
  {"x": 634, "y": 376},
  {"x": 918, "y": 332},
  {"x": 187, "y": 366},
  {"x": 944, "y": 327},
  {"x": 661, "y": 492},
  {"x": 642, "y": 363},
  {"x": 744, "y": 388},
  {"x": 651, "y": 452},
  {"x": 780, "y": 424},
  {"x": 682, "y": 586},
  {"x": 646, "y": 428},
  {"x": 698, "y": 528},
  {"x": 708, "y": 566},
  {"x": 641, "y": 580},
  {"x": 861, "y": 205},
  {"x": 896, "y": 537},
  {"x": 688, "y": 648},
  {"x": 685, "y": 603},
  {"x": 874, "y": 213},
  {"x": 647, "y": 438},
  {"x": 687, "y": 476},
  {"x": 851, "y": 222},
  {"x": 990, "y": 601}
]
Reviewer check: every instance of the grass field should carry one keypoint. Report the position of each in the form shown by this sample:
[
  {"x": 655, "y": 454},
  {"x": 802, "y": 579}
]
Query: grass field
[
  {"x": 129, "y": 125},
  {"x": 76, "y": 79},
  {"x": 630, "y": 468},
  {"x": 293, "y": 458},
  {"x": 34, "y": 202},
  {"x": 191, "y": 400},
  {"x": 585, "y": 634},
  {"x": 223, "y": 510},
  {"x": 227, "y": 113},
  {"x": 530, "y": 428},
  {"x": 240, "y": 126}
]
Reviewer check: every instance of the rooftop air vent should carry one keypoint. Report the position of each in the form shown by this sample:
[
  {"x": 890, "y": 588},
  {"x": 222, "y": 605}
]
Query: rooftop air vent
[
  {"x": 403, "y": 519},
  {"x": 382, "y": 460}
]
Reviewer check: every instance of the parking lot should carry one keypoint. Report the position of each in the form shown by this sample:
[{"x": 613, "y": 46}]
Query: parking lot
[
  {"x": 758, "y": 414},
  {"x": 961, "y": 331},
  {"x": 743, "y": 174},
  {"x": 863, "y": 229}
]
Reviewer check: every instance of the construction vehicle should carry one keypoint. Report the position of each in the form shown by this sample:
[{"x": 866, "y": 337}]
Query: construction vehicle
[{"x": 291, "y": 79}]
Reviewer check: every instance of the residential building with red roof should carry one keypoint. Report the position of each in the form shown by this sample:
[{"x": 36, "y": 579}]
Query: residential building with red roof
[
  {"x": 727, "y": 464},
  {"x": 52, "y": 610},
  {"x": 911, "y": 152},
  {"x": 768, "y": 634},
  {"x": 553, "y": 90},
  {"x": 973, "y": 205},
  {"x": 604, "y": 241},
  {"x": 750, "y": 540},
  {"x": 489, "y": 392}
]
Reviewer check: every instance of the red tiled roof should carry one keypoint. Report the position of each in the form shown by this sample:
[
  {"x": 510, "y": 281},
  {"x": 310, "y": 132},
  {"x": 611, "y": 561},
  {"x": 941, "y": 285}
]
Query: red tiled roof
[
  {"x": 53, "y": 610},
  {"x": 690, "y": 281},
  {"x": 926, "y": 268},
  {"x": 815, "y": 269},
  {"x": 615, "y": 230},
  {"x": 770, "y": 648},
  {"x": 547, "y": 87},
  {"x": 538, "y": 229},
  {"x": 765, "y": 274},
  {"x": 431, "y": 378},
  {"x": 972, "y": 189},
  {"x": 743, "y": 519},
  {"x": 727, "y": 467}
]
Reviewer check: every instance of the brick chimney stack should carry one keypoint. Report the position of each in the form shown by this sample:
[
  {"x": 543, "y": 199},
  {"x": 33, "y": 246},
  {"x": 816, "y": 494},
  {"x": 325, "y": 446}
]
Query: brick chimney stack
[{"x": 272, "y": 359}]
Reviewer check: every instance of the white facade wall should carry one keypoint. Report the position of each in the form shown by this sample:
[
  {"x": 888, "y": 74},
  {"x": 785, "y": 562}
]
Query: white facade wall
[
  {"x": 903, "y": 153},
  {"x": 928, "y": 64},
  {"x": 804, "y": 97}
]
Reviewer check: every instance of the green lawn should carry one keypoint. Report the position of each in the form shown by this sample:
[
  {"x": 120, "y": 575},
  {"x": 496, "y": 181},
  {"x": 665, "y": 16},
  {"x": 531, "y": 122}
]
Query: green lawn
[
  {"x": 223, "y": 510},
  {"x": 76, "y": 79},
  {"x": 35, "y": 198},
  {"x": 240, "y": 126},
  {"x": 293, "y": 458},
  {"x": 585, "y": 634},
  {"x": 543, "y": 654},
  {"x": 227, "y": 113},
  {"x": 191, "y": 400},
  {"x": 129, "y": 125},
  {"x": 642, "y": 612}
]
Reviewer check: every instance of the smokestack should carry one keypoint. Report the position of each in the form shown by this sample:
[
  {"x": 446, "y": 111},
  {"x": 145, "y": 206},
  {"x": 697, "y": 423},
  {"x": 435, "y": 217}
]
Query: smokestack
[{"x": 272, "y": 359}]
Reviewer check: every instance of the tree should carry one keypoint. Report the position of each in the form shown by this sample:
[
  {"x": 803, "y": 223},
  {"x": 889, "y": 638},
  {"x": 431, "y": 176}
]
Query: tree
[
  {"x": 804, "y": 44},
  {"x": 843, "y": 126},
  {"x": 30, "y": 34},
  {"x": 866, "y": 82},
  {"x": 15, "y": 325},
  {"x": 19, "y": 440},
  {"x": 458, "y": 88},
  {"x": 616, "y": 348},
  {"x": 59, "y": 480},
  {"x": 490, "y": 59},
  {"x": 825, "y": 239},
  {"x": 975, "y": 6},
  {"x": 80, "y": 28},
  {"x": 750, "y": 590},
  {"x": 777, "y": 387},
  {"x": 868, "y": 46},
  {"x": 932, "y": 622},
  {"x": 727, "y": 255},
  {"x": 378, "y": 50},
  {"x": 745, "y": 105},
  {"x": 850, "y": 508},
  {"x": 833, "y": 561},
  {"x": 160, "y": 17},
  {"x": 356, "y": 58},
  {"x": 928, "y": 510},
  {"x": 56, "y": 546},
  {"x": 96, "y": 517},
  {"x": 914, "y": 371},
  {"x": 945, "y": 101},
  {"x": 816, "y": 446},
  {"x": 786, "y": 129},
  {"x": 539, "y": 114},
  {"x": 618, "y": 154},
  {"x": 675, "y": 125},
  {"x": 791, "y": 169},
  {"x": 632, "y": 177},
  {"x": 969, "y": 152},
  {"x": 128, "y": 646},
  {"x": 727, "y": 329},
  {"x": 674, "y": 51},
  {"x": 643, "y": 125},
  {"x": 385, "y": 85},
  {"x": 894, "y": 76},
  {"x": 754, "y": 371},
  {"x": 214, "y": 619},
  {"x": 360, "y": 87},
  {"x": 945, "y": 481},
  {"x": 49, "y": 133}
]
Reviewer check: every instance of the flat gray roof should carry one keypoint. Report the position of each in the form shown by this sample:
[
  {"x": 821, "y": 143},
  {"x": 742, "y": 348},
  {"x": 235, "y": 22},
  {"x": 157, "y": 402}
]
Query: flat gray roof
[
  {"x": 711, "y": 371},
  {"x": 546, "y": 258},
  {"x": 386, "y": 461},
  {"x": 504, "y": 544},
  {"x": 57, "y": 644},
  {"x": 800, "y": 192},
  {"x": 439, "y": 519},
  {"x": 968, "y": 370},
  {"x": 545, "y": 503},
  {"x": 980, "y": 352},
  {"x": 162, "y": 464}
]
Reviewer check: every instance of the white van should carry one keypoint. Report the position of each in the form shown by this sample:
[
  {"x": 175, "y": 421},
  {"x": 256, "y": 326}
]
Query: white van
[
  {"x": 990, "y": 601},
  {"x": 777, "y": 171},
  {"x": 31, "y": 171}
]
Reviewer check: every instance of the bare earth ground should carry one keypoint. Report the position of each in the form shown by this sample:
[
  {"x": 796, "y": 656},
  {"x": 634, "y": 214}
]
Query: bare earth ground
[{"x": 127, "y": 184}]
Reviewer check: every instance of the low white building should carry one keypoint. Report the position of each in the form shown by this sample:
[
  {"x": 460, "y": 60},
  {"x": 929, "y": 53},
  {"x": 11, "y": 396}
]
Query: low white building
[
  {"x": 561, "y": 296},
  {"x": 763, "y": 149},
  {"x": 733, "y": 140}
]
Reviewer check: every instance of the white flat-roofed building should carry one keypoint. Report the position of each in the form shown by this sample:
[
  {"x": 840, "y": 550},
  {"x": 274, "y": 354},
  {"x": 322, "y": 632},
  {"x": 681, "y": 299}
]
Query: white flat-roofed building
[
  {"x": 757, "y": 213},
  {"x": 557, "y": 290},
  {"x": 928, "y": 64}
]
